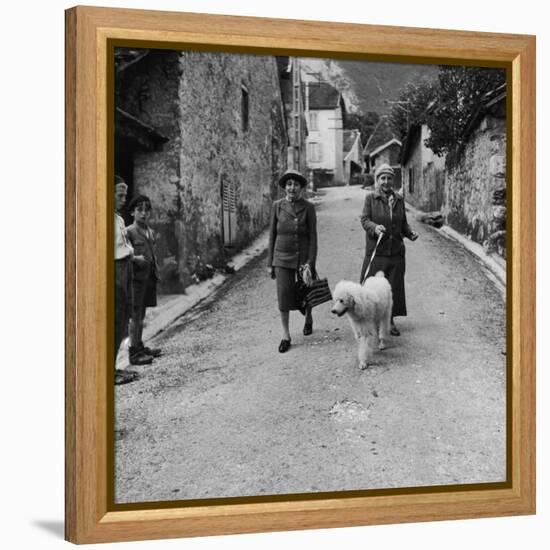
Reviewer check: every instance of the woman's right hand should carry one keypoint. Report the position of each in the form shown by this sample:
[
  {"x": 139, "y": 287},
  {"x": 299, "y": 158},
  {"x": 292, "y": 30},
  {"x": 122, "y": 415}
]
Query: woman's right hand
[
  {"x": 271, "y": 272},
  {"x": 379, "y": 230}
]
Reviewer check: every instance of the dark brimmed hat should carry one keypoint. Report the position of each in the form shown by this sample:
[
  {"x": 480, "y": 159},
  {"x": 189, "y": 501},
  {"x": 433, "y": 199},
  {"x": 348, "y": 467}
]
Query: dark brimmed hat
[
  {"x": 292, "y": 174},
  {"x": 138, "y": 199}
]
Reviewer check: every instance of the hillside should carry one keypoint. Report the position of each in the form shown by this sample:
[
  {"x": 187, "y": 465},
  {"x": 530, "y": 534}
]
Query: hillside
[
  {"x": 365, "y": 84},
  {"x": 375, "y": 82}
]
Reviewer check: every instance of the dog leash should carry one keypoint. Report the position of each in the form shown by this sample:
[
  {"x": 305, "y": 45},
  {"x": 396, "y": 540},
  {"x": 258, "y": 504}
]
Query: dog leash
[{"x": 372, "y": 258}]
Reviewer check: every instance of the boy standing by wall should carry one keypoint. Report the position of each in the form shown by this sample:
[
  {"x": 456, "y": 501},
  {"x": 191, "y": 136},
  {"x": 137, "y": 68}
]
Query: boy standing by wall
[
  {"x": 124, "y": 259},
  {"x": 145, "y": 276}
]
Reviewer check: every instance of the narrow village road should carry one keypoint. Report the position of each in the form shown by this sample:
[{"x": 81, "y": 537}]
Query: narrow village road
[{"x": 223, "y": 414}]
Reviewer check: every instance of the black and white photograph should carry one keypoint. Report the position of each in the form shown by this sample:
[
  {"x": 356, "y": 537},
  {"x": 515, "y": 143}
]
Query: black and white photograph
[
  {"x": 310, "y": 275},
  {"x": 163, "y": 148}
]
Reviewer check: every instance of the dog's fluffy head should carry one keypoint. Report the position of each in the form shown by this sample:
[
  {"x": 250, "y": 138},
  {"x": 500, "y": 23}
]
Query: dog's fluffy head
[{"x": 343, "y": 295}]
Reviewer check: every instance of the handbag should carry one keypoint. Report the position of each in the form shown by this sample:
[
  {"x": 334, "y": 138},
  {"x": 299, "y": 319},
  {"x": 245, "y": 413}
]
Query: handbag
[
  {"x": 313, "y": 294},
  {"x": 318, "y": 293}
]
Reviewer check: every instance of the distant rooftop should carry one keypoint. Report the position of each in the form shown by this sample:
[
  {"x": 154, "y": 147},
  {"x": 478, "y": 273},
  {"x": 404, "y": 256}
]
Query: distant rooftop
[
  {"x": 323, "y": 96},
  {"x": 381, "y": 135},
  {"x": 393, "y": 141}
]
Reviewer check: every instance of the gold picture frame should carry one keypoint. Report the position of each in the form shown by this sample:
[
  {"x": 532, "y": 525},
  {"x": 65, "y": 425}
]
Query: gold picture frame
[{"x": 90, "y": 32}]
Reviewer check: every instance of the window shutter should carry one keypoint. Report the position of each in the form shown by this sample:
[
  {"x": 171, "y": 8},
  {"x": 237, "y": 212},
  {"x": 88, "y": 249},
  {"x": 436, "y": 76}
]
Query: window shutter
[{"x": 229, "y": 211}]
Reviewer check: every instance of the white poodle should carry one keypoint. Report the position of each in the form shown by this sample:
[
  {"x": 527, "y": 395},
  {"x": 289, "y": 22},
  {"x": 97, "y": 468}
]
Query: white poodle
[{"x": 369, "y": 308}]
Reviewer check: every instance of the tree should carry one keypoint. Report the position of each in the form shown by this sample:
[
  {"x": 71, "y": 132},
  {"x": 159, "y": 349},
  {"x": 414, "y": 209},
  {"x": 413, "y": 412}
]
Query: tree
[
  {"x": 410, "y": 106},
  {"x": 460, "y": 94},
  {"x": 365, "y": 123},
  {"x": 446, "y": 105}
]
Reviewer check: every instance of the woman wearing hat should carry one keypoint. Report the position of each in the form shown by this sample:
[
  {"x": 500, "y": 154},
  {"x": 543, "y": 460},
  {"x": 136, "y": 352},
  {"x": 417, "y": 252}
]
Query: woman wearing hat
[
  {"x": 384, "y": 214},
  {"x": 292, "y": 243}
]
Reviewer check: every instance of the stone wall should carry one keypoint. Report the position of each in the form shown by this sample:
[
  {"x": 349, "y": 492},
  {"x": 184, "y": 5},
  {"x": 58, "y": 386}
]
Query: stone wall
[
  {"x": 476, "y": 186},
  {"x": 149, "y": 91},
  {"x": 196, "y": 100},
  {"x": 215, "y": 147}
]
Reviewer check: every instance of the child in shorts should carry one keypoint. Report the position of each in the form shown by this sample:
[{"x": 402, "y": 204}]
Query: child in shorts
[{"x": 145, "y": 275}]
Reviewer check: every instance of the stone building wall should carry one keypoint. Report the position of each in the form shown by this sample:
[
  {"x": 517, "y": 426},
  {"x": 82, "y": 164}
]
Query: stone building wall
[
  {"x": 476, "y": 186},
  {"x": 196, "y": 100},
  {"x": 215, "y": 147},
  {"x": 149, "y": 90}
]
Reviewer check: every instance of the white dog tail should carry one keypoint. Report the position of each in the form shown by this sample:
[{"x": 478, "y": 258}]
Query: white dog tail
[{"x": 380, "y": 274}]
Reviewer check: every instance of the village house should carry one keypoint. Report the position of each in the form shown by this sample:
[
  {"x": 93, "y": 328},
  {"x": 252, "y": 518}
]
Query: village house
[
  {"x": 353, "y": 157},
  {"x": 423, "y": 172},
  {"x": 383, "y": 147},
  {"x": 325, "y": 114},
  {"x": 204, "y": 135}
]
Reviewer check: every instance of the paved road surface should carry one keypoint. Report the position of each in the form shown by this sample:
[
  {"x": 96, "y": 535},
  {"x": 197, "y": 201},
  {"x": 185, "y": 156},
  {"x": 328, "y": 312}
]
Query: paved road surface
[{"x": 222, "y": 413}]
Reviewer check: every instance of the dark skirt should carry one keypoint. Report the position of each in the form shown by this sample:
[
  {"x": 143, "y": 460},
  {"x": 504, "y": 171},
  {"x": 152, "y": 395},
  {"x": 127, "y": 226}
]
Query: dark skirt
[
  {"x": 286, "y": 288},
  {"x": 394, "y": 270}
]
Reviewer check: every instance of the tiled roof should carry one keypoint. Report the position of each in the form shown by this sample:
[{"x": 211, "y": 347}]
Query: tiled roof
[
  {"x": 393, "y": 141},
  {"x": 381, "y": 135},
  {"x": 489, "y": 103},
  {"x": 124, "y": 57},
  {"x": 323, "y": 96}
]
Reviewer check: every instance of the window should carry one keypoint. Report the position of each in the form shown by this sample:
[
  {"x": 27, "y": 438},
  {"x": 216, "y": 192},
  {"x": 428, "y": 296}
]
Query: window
[
  {"x": 314, "y": 152},
  {"x": 411, "y": 180},
  {"x": 244, "y": 107},
  {"x": 313, "y": 122}
]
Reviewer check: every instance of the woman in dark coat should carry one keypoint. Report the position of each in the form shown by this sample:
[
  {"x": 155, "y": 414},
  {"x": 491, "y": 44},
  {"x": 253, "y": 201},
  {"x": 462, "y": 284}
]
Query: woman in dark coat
[
  {"x": 384, "y": 214},
  {"x": 292, "y": 243}
]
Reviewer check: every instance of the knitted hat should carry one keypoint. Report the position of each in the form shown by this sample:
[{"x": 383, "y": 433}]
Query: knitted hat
[{"x": 383, "y": 169}]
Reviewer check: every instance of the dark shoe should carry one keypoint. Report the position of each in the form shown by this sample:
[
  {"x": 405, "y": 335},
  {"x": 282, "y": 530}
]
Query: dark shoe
[
  {"x": 138, "y": 357},
  {"x": 308, "y": 329},
  {"x": 153, "y": 352},
  {"x": 284, "y": 346},
  {"x": 394, "y": 331},
  {"x": 125, "y": 376}
]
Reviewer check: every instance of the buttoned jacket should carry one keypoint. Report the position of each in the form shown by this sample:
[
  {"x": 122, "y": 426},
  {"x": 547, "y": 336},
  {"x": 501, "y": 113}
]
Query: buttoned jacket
[
  {"x": 143, "y": 246},
  {"x": 376, "y": 211},
  {"x": 292, "y": 234}
]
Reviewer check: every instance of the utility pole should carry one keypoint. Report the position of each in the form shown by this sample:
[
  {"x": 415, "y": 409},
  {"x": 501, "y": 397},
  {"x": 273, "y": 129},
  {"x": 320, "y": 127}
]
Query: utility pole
[
  {"x": 296, "y": 130},
  {"x": 404, "y": 109},
  {"x": 407, "y": 111}
]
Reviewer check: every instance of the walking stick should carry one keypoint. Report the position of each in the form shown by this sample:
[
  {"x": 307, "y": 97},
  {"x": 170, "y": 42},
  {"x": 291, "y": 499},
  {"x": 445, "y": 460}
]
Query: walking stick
[{"x": 372, "y": 258}]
